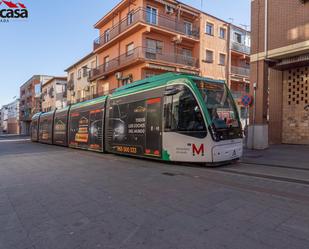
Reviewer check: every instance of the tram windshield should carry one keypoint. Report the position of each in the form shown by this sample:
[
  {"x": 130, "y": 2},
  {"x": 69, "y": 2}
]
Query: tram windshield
[{"x": 220, "y": 105}]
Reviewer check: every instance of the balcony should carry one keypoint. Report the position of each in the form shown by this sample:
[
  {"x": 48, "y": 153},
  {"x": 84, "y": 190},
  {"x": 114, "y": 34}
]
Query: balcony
[
  {"x": 242, "y": 71},
  {"x": 239, "y": 47},
  {"x": 141, "y": 54},
  {"x": 143, "y": 16},
  {"x": 70, "y": 85}
]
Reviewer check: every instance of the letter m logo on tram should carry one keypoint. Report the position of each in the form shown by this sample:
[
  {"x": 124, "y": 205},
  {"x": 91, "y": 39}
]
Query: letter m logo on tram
[{"x": 198, "y": 150}]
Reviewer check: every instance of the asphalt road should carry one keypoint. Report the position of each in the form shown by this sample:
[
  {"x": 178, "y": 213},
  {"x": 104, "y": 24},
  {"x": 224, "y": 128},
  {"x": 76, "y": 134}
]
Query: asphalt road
[{"x": 54, "y": 197}]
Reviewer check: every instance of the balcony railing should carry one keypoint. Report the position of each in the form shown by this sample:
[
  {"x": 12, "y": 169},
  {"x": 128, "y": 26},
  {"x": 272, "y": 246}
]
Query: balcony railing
[
  {"x": 243, "y": 71},
  {"x": 142, "y": 15},
  {"x": 141, "y": 53},
  {"x": 242, "y": 48}
]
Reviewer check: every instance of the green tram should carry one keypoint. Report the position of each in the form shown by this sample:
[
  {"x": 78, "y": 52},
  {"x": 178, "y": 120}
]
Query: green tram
[{"x": 171, "y": 117}]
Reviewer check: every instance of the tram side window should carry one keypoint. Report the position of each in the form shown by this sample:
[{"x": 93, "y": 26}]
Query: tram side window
[{"x": 182, "y": 114}]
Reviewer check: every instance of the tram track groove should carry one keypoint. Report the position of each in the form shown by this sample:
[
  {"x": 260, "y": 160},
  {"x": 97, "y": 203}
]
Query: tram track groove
[{"x": 276, "y": 166}]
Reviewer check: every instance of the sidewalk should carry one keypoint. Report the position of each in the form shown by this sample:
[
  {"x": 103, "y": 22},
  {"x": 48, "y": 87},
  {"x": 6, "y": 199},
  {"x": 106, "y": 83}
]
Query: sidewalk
[
  {"x": 280, "y": 155},
  {"x": 12, "y": 136}
]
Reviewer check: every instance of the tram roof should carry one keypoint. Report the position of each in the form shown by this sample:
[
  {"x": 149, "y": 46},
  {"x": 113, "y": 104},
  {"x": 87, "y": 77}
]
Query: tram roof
[
  {"x": 88, "y": 102},
  {"x": 161, "y": 80},
  {"x": 36, "y": 116}
]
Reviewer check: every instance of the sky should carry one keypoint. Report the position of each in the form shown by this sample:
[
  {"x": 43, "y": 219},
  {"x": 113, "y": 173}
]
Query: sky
[{"x": 58, "y": 33}]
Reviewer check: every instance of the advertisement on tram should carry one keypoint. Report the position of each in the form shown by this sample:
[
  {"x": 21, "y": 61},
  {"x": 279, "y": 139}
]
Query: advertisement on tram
[{"x": 136, "y": 127}]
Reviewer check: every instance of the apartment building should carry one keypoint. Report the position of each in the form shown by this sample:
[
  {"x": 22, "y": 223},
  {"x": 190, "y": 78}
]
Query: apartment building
[
  {"x": 140, "y": 38},
  {"x": 30, "y": 100},
  {"x": 4, "y": 119},
  {"x": 279, "y": 72},
  {"x": 12, "y": 113},
  {"x": 1, "y": 129},
  {"x": 239, "y": 66},
  {"x": 214, "y": 47},
  {"x": 54, "y": 94},
  {"x": 80, "y": 87}
]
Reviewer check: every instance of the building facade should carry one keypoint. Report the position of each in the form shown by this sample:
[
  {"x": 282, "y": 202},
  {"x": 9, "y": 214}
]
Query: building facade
[
  {"x": 30, "y": 101},
  {"x": 4, "y": 119},
  {"x": 13, "y": 126},
  {"x": 142, "y": 38},
  {"x": 239, "y": 67},
  {"x": 79, "y": 86},
  {"x": 214, "y": 47},
  {"x": 54, "y": 94},
  {"x": 279, "y": 72}
]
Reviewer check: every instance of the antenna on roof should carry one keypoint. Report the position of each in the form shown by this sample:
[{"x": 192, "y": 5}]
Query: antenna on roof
[
  {"x": 231, "y": 20},
  {"x": 245, "y": 26},
  {"x": 201, "y": 4}
]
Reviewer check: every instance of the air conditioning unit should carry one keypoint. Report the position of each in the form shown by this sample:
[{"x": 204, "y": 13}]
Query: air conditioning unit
[
  {"x": 169, "y": 9},
  {"x": 118, "y": 75},
  {"x": 177, "y": 39}
]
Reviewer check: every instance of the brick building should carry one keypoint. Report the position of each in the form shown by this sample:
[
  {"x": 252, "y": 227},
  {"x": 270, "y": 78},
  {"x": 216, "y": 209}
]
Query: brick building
[
  {"x": 142, "y": 38},
  {"x": 279, "y": 72},
  {"x": 54, "y": 94},
  {"x": 13, "y": 117},
  {"x": 30, "y": 100},
  {"x": 79, "y": 86}
]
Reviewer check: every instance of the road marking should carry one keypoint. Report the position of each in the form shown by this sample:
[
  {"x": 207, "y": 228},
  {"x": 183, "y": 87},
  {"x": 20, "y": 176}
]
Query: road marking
[{"x": 14, "y": 140}]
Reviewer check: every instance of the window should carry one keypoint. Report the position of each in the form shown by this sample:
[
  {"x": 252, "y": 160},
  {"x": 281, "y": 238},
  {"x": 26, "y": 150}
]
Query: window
[
  {"x": 37, "y": 89},
  {"x": 237, "y": 37},
  {"x": 130, "y": 49},
  {"x": 182, "y": 113},
  {"x": 85, "y": 71},
  {"x": 188, "y": 28},
  {"x": 106, "y": 62},
  {"x": 130, "y": 18},
  {"x": 151, "y": 15},
  {"x": 106, "y": 35},
  {"x": 153, "y": 47},
  {"x": 209, "y": 56},
  {"x": 222, "y": 33},
  {"x": 79, "y": 73},
  {"x": 71, "y": 76},
  {"x": 209, "y": 28},
  {"x": 93, "y": 65},
  {"x": 222, "y": 58},
  {"x": 187, "y": 57}
]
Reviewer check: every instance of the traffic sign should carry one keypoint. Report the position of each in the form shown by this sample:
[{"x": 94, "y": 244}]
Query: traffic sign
[{"x": 246, "y": 100}]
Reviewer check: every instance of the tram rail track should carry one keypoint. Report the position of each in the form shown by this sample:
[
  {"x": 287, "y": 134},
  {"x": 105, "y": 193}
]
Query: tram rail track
[{"x": 277, "y": 176}]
